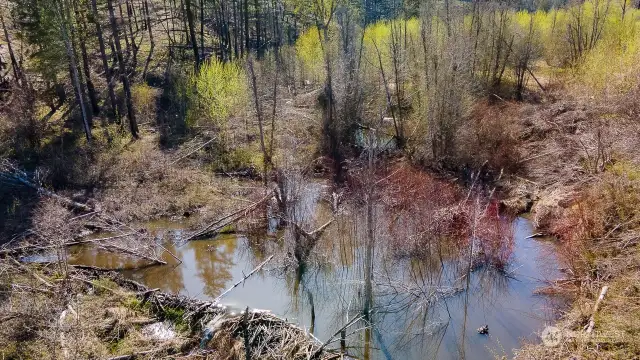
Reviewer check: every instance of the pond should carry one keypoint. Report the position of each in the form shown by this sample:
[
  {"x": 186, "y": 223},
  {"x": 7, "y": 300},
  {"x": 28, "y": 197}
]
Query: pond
[{"x": 418, "y": 308}]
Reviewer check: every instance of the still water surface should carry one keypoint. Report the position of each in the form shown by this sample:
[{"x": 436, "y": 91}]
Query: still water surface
[{"x": 419, "y": 310}]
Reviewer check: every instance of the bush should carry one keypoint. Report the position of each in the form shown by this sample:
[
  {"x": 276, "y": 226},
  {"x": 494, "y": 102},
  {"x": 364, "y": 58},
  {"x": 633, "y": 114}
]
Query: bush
[
  {"x": 218, "y": 91},
  {"x": 490, "y": 139},
  {"x": 603, "y": 213},
  {"x": 144, "y": 100}
]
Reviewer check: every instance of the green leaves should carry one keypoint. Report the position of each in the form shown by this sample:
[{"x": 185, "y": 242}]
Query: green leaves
[{"x": 220, "y": 90}]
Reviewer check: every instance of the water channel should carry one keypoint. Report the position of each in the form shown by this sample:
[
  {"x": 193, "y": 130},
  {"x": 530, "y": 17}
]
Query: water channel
[{"x": 420, "y": 309}]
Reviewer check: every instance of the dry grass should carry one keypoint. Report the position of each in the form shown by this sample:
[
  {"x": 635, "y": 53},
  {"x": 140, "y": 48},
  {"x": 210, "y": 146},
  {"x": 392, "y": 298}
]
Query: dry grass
[
  {"x": 587, "y": 186},
  {"x": 139, "y": 181},
  {"x": 69, "y": 317},
  {"x": 80, "y": 315}
]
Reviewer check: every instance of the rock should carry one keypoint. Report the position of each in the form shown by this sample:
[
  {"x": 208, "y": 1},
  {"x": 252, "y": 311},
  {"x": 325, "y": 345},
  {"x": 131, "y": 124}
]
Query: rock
[
  {"x": 159, "y": 331},
  {"x": 551, "y": 336},
  {"x": 483, "y": 330}
]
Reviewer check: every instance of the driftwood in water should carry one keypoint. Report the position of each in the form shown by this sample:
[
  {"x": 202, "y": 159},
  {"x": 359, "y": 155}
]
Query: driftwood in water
[
  {"x": 257, "y": 268},
  {"x": 214, "y": 227},
  {"x": 217, "y": 300},
  {"x": 306, "y": 241}
]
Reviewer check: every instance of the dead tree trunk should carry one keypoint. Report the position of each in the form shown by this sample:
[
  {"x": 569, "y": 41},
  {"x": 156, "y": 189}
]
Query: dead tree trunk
[
  {"x": 151, "y": 41},
  {"x": 266, "y": 158}
]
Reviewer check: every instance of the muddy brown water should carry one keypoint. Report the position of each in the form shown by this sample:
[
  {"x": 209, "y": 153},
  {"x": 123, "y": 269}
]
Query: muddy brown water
[{"x": 419, "y": 309}]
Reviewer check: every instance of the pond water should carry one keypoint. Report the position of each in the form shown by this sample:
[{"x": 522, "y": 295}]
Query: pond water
[{"x": 419, "y": 309}]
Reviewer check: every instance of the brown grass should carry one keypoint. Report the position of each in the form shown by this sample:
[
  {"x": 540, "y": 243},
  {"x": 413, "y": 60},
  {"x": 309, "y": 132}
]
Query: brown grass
[{"x": 490, "y": 141}]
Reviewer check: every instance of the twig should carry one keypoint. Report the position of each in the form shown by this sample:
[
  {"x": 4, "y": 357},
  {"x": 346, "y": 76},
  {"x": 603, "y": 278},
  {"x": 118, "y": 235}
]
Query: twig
[
  {"x": 534, "y": 235},
  {"x": 346, "y": 326},
  {"x": 592, "y": 320},
  {"x": 32, "y": 273},
  {"x": 243, "y": 279},
  {"x": 245, "y": 326},
  {"x": 191, "y": 152},
  {"x": 170, "y": 253}
]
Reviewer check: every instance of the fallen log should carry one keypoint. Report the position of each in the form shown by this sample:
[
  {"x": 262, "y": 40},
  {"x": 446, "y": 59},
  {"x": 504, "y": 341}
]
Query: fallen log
[
  {"x": 135, "y": 253},
  {"x": 592, "y": 320},
  {"x": 226, "y": 220}
]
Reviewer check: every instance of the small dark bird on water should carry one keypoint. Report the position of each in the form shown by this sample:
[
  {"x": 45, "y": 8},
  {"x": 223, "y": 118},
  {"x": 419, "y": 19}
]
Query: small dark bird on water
[{"x": 483, "y": 330}]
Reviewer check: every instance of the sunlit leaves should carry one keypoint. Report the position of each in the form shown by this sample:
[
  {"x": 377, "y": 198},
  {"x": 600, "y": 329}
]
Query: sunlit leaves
[{"x": 220, "y": 91}]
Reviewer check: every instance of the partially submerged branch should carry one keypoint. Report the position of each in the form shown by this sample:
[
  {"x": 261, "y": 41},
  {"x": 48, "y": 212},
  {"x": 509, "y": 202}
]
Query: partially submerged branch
[{"x": 214, "y": 227}]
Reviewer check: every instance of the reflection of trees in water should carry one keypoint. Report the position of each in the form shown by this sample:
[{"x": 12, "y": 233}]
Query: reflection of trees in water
[
  {"x": 214, "y": 264},
  {"x": 168, "y": 278}
]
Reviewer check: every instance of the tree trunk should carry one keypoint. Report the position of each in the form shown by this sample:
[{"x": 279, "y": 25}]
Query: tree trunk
[
  {"x": 192, "y": 33},
  {"x": 73, "y": 70},
  {"x": 152, "y": 42},
  {"x": 246, "y": 24},
  {"x": 202, "y": 29},
  {"x": 235, "y": 30},
  {"x": 133, "y": 125},
  {"x": 17, "y": 73},
  {"x": 91, "y": 90},
  {"x": 105, "y": 63},
  {"x": 266, "y": 158},
  {"x": 259, "y": 49}
]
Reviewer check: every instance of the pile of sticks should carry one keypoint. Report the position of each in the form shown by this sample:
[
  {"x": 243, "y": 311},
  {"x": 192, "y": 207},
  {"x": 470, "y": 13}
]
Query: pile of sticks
[{"x": 266, "y": 336}]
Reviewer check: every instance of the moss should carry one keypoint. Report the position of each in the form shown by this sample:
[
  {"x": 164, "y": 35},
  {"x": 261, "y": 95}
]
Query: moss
[
  {"x": 132, "y": 303},
  {"x": 176, "y": 316},
  {"x": 228, "y": 229},
  {"x": 103, "y": 285}
]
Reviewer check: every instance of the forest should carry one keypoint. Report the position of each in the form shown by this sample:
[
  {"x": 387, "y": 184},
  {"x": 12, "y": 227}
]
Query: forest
[{"x": 319, "y": 179}]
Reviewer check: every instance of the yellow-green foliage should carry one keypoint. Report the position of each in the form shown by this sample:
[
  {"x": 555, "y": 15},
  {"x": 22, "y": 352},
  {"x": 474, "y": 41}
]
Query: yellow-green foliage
[
  {"x": 144, "y": 101},
  {"x": 606, "y": 63},
  {"x": 220, "y": 91},
  {"x": 310, "y": 55},
  {"x": 378, "y": 41},
  {"x": 610, "y": 66}
]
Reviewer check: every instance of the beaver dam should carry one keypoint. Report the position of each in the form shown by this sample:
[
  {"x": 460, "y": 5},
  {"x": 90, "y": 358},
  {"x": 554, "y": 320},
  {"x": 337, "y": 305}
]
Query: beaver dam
[{"x": 419, "y": 271}]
